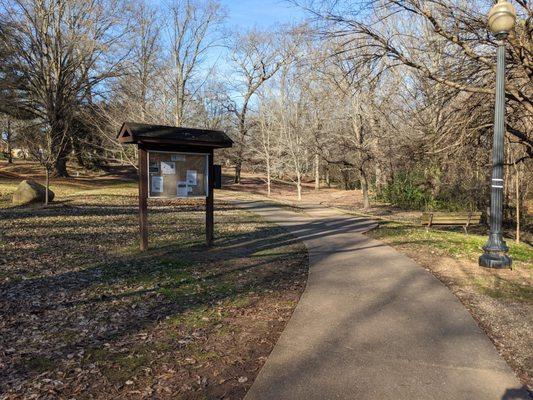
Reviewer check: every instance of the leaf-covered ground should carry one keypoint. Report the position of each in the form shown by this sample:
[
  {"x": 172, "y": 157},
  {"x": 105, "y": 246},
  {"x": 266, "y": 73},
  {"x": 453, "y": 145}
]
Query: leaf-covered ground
[
  {"x": 85, "y": 315},
  {"x": 500, "y": 300}
]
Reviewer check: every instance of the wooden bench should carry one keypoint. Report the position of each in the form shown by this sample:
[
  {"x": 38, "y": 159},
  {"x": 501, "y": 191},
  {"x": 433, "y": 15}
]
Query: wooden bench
[{"x": 464, "y": 219}]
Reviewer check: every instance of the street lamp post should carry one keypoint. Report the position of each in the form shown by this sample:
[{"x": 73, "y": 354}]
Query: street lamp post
[{"x": 502, "y": 19}]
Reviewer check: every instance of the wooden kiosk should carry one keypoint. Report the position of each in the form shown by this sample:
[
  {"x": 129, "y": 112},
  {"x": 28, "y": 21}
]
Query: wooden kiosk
[{"x": 175, "y": 163}]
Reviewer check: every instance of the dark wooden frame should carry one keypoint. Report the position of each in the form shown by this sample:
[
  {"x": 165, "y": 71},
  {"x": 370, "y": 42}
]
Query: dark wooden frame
[
  {"x": 143, "y": 189},
  {"x": 176, "y": 143}
]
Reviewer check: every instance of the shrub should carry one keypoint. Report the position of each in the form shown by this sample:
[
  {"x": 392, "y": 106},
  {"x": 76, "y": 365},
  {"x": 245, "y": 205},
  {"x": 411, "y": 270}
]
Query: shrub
[{"x": 412, "y": 190}]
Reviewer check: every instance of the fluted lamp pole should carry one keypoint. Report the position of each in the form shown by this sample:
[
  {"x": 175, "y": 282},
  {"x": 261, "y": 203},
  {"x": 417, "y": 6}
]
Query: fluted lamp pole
[{"x": 502, "y": 18}]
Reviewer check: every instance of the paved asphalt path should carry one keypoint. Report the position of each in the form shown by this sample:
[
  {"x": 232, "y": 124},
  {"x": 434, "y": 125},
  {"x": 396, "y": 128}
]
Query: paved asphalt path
[{"x": 373, "y": 324}]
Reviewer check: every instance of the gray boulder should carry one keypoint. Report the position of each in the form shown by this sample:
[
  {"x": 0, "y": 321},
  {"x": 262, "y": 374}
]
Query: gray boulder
[{"x": 29, "y": 191}]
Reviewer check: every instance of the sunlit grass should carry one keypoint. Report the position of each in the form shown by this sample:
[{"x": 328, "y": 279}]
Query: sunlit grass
[
  {"x": 66, "y": 190},
  {"x": 457, "y": 244}
]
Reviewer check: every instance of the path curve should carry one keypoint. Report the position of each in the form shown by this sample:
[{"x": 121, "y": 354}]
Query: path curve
[{"x": 373, "y": 324}]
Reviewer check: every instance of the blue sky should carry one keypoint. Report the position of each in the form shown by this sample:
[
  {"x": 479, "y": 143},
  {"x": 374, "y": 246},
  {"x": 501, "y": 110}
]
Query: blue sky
[
  {"x": 260, "y": 13},
  {"x": 246, "y": 14}
]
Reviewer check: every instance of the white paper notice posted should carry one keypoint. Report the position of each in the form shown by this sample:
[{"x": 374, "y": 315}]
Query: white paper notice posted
[
  {"x": 168, "y": 168},
  {"x": 157, "y": 184},
  {"x": 177, "y": 175},
  {"x": 192, "y": 177},
  {"x": 183, "y": 190}
]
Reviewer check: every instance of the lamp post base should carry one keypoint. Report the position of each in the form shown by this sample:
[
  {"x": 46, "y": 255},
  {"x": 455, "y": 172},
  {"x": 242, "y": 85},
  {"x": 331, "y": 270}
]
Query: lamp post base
[{"x": 495, "y": 260}]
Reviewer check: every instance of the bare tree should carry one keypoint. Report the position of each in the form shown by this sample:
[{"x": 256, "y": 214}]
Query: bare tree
[
  {"x": 266, "y": 140},
  {"x": 467, "y": 48},
  {"x": 291, "y": 114},
  {"x": 144, "y": 60},
  {"x": 255, "y": 59},
  {"x": 7, "y": 137},
  {"x": 194, "y": 30},
  {"x": 59, "y": 55}
]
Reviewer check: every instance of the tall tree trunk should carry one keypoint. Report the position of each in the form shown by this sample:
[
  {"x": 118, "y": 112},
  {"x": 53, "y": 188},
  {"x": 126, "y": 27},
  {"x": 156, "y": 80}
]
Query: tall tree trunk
[
  {"x": 359, "y": 135},
  {"x": 345, "y": 178},
  {"x": 78, "y": 153},
  {"x": 238, "y": 167},
  {"x": 8, "y": 139},
  {"x": 60, "y": 167},
  {"x": 517, "y": 184},
  {"x": 242, "y": 137},
  {"x": 180, "y": 101},
  {"x": 268, "y": 176},
  {"x": 240, "y": 152},
  {"x": 379, "y": 178},
  {"x": 299, "y": 185},
  {"x": 364, "y": 188},
  {"x": 317, "y": 171},
  {"x": 61, "y": 144},
  {"x": 328, "y": 182},
  {"x": 178, "y": 116}
]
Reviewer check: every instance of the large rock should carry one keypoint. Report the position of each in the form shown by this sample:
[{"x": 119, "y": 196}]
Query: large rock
[{"x": 29, "y": 191}]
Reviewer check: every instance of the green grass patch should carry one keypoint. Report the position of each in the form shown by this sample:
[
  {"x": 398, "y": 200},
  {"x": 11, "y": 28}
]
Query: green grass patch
[
  {"x": 205, "y": 316},
  {"x": 131, "y": 362},
  {"x": 69, "y": 336},
  {"x": 178, "y": 294},
  {"x": 500, "y": 288},
  {"x": 148, "y": 271},
  {"x": 197, "y": 352},
  {"x": 456, "y": 244},
  {"x": 39, "y": 364},
  {"x": 6, "y": 190},
  {"x": 273, "y": 252},
  {"x": 224, "y": 288},
  {"x": 96, "y": 354},
  {"x": 198, "y": 318},
  {"x": 111, "y": 190},
  {"x": 75, "y": 189},
  {"x": 240, "y": 302},
  {"x": 119, "y": 367}
]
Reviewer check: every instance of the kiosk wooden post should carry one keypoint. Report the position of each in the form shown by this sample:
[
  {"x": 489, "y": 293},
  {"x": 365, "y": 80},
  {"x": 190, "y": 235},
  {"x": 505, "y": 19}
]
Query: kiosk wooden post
[
  {"x": 209, "y": 203},
  {"x": 143, "y": 197},
  {"x": 167, "y": 146}
]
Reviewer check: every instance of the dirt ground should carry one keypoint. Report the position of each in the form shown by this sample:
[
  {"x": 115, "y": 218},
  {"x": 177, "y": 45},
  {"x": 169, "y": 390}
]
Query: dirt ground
[{"x": 85, "y": 315}]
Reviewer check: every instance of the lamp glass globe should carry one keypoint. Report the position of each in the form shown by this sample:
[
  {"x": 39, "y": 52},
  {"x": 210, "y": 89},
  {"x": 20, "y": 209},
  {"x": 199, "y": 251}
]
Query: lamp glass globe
[{"x": 502, "y": 17}]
